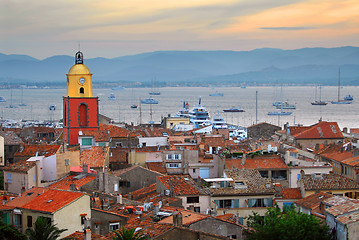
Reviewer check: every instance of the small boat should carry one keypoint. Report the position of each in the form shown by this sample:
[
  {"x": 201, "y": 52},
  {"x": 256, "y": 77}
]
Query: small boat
[
  {"x": 340, "y": 101},
  {"x": 154, "y": 93},
  {"x": 233, "y": 109},
  {"x": 281, "y": 113},
  {"x": 134, "y": 106},
  {"x": 112, "y": 97},
  {"x": 2, "y": 99},
  {"x": 349, "y": 97},
  {"x": 216, "y": 94},
  {"x": 52, "y": 107},
  {"x": 277, "y": 104},
  {"x": 119, "y": 88},
  {"x": 320, "y": 102},
  {"x": 149, "y": 101},
  {"x": 286, "y": 105}
]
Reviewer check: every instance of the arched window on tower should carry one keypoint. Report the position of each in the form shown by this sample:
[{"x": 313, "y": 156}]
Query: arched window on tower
[
  {"x": 65, "y": 115},
  {"x": 82, "y": 90},
  {"x": 83, "y": 115}
]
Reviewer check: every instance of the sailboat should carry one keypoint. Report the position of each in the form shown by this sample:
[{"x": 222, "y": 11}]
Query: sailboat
[
  {"x": 22, "y": 104},
  {"x": 320, "y": 102},
  {"x": 153, "y": 92},
  {"x": 340, "y": 101},
  {"x": 133, "y": 96},
  {"x": 281, "y": 113}
]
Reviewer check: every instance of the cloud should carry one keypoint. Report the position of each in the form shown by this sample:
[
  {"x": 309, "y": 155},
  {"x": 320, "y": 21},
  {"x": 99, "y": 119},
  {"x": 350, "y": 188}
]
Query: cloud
[{"x": 287, "y": 28}]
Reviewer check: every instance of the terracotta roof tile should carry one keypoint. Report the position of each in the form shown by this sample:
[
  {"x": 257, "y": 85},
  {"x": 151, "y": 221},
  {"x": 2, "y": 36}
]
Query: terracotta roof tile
[
  {"x": 326, "y": 130},
  {"x": 26, "y": 197},
  {"x": 349, "y": 218},
  {"x": 314, "y": 200},
  {"x": 20, "y": 166},
  {"x": 117, "y": 132},
  {"x": 148, "y": 226},
  {"x": 40, "y": 150},
  {"x": 118, "y": 155},
  {"x": 182, "y": 185},
  {"x": 77, "y": 180},
  {"x": 188, "y": 217},
  {"x": 81, "y": 236},
  {"x": 257, "y": 162},
  {"x": 343, "y": 208},
  {"x": 52, "y": 200},
  {"x": 94, "y": 157},
  {"x": 291, "y": 193},
  {"x": 11, "y": 138},
  {"x": 156, "y": 166},
  {"x": 329, "y": 181},
  {"x": 98, "y": 135},
  {"x": 337, "y": 200}
]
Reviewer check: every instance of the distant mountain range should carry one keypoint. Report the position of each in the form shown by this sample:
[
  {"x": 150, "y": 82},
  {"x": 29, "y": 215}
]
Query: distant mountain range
[{"x": 264, "y": 66}]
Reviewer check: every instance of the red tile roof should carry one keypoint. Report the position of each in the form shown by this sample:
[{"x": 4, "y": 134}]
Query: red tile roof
[
  {"x": 291, "y": 193},
  {"x": 257, "y": 162},
  {"x": 329, "y": 181},
  {"x": 20, "y": 166},
  {"x": 156, "y": 166},
  {"x": 117, "y": 132},
  {"x": 94, "y": 157},
  {"x": 98, "y": 135},
  {"x": 81, "y": 236},
  {"x": 188, "y": 217},
  {"x": 41, "y": 150},
  {"x": 343, "y": 208},
  {"x": 118, "y": 155},
  {"x": 148, "y": 226},
  {"x": 64, "y": 184},
  {"x": 26, "y": 197},
  {"x": 321, "y": 130},
  {"x": 11, "y": 138},
  {"x": 181, "y": 185},
  {"x": 313, "y": 201},
  {"x": 52, "y": 200}
]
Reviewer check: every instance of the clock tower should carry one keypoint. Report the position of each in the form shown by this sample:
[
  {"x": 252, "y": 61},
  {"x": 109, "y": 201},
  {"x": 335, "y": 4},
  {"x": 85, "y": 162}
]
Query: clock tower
[{"x": 80, "y": 107}]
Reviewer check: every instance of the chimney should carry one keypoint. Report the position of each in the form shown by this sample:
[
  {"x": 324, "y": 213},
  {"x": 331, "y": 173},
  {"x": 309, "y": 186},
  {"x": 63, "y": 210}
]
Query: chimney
[
  {"x": 244, "y": 157},
  {"x": 119, "y": 199},
  {"x": 87, "y": 234},
  {"x": 345, "y": 130},
  {"x": 85, "y": 168},
  {"x": 177, "y": 219}
]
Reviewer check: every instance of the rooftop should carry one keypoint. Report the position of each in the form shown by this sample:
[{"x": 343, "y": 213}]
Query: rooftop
[
  {"x": 182, "y": 185},
  {"x": 94, "y": 157},
  {"x": 314, "y": 200},
  {"x": 329, "y": 181}
]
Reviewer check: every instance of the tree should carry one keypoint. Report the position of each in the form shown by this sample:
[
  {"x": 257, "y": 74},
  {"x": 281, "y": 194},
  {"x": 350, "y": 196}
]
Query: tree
[
  {"x": 44, "y": 230},
  {"x": 9, "y": 232},
  {"x": 287, "y": 225},
  {"x": 129, "y": 234}
]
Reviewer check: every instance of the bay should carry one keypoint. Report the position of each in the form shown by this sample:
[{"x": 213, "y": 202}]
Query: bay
[{"x": 170, "y": 101}]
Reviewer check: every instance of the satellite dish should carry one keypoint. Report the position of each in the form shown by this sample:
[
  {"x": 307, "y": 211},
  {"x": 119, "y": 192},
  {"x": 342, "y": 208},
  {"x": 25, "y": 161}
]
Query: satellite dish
[{"x": 159, "y": 204}]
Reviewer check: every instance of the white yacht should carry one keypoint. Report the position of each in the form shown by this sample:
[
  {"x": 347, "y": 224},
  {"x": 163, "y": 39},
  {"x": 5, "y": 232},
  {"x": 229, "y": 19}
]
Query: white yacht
[
  {"x": 218, "y": 122},
  {"x": 199, "y": 116}
]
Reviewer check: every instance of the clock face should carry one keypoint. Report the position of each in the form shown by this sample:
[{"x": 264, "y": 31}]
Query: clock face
[{"x": 82, "y": 80}]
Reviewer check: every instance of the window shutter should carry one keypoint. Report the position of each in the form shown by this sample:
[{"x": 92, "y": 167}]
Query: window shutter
[
  {"x": 216, "y": 202},
  {"x": 236, "y": 203}
]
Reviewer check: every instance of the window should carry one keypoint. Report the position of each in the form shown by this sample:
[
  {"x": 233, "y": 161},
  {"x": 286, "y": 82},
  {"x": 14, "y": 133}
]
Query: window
[
  {"x": 124, "y": 184},
  {"x": 169, "y": 156},
  {"x": 29, "y": 221},
  {"x": 292, "y": 154},
  {"x": 9, "y": 178},
  {"x": 228, "y": 203},
  {"x": 83, "y": 109},
  {"x": 197, "y": 209},
  {"x": 102, "y": 144},
  {"x": 82, "y": 90},
  {"x": 114, "y": 226},
  {"x": 194, "y": 170},
  {"x": 86, "y": 141},
  {"x": 173, "y": 165},
  {"x": 177, "y": 156},
  {"x": 193, "y": 199},
  {"x": 67, "y": 162},
  {"x": 260, "y": 202}
]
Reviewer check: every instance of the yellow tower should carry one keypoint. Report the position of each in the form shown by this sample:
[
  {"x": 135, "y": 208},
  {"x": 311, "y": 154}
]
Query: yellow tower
[{"x": 79, "y": 79}]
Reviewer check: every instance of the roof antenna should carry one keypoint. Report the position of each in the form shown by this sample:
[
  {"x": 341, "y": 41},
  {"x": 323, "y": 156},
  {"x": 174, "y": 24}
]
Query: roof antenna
[{"x": 79, "y": 46}]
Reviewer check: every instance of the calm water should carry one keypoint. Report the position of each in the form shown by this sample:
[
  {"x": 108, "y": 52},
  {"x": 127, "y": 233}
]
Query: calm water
[{"x": 170, "y": 101}]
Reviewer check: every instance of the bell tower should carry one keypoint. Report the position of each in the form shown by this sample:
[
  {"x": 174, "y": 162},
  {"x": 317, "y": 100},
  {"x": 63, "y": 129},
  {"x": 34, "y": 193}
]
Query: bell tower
[{"x": 80, "y": 107}]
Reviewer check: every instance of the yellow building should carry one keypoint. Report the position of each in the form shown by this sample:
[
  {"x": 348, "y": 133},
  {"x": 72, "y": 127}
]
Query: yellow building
[{"x": 170, "y": 122}]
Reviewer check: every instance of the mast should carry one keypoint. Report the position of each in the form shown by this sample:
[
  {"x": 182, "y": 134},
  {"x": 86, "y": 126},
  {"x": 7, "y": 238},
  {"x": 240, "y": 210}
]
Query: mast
[{"x": 339, "y": 85}]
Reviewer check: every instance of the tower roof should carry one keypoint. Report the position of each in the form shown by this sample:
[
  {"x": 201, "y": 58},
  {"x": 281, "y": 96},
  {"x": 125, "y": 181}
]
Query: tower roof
[{"x": 79, "y": 69}]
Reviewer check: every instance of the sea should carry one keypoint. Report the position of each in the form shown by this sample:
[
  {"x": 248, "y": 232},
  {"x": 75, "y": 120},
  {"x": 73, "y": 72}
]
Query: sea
[{"x": 255, "y": 101}]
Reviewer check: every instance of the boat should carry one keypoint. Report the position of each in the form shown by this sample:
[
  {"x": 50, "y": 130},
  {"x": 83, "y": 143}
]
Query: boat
[
  {"x": 119, "y": 88},
  {"x": 133, "y": 100},
  {"x": 216, "y": 94},
  {"x": 286, "y": 105},
  {"x": 281, "y": 105},
  {"x": 134, "y": 106},
  {"x": 184, "y": 111},
  {"x": 199, "y": 116},
  {"x": 112, "y": 97},
  {"x": 349, "y": 97},
  {"x": 2, "y": 99},
  {"x": 339, "y": 100},
  {"x": 149, "y": 101},
  {"x": 52, "y": 107},
  {"x": 154, "y": 93},
  {"x": 277, "y": 104},
  {"x": 319, "y": 102},
  {"x": 233, "y": 109},
  {"x": 218, "y": 122}
]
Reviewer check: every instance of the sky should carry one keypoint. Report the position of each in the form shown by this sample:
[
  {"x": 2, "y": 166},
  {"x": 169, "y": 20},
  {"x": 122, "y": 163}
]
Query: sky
[{"x": 113, "y": 28}]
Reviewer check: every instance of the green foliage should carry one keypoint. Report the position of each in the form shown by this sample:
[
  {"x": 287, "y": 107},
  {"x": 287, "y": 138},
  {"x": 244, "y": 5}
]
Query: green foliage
[
  {"x": 129, "y": 234},
  {"x": 8, "y": 232},
  {"x": 287, "y": 225},
  {"x": 44, "y": 230}
]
